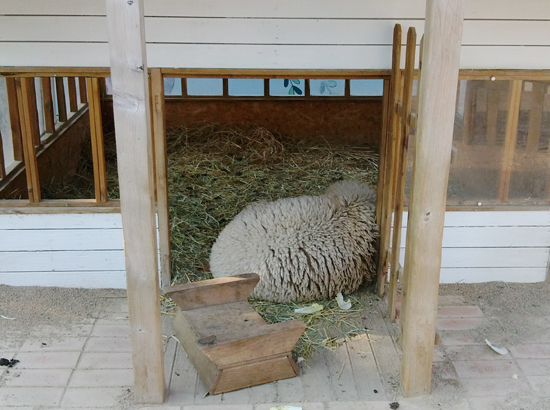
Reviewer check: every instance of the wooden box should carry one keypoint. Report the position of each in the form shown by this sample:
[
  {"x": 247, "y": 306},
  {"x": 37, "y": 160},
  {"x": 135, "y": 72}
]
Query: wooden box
[{"x": 227, "y": 341}]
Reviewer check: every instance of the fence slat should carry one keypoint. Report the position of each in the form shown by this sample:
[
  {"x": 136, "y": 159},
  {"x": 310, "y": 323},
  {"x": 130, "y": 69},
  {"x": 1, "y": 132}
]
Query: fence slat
[
  {"x": 161, "y": 173},
  {"x": 33, "y": 114},
  {"x": 2, "y": 161},
  {"x": 49, "y": 115},
  {"x": 25, "y": 88},
  {"x": 61, "y": 105},
  {"x": 14, "y": 119},
  {"x": 96, "y": 130},
  {"x": 82, "y": 89},
  {"x": 73, "y": 104}
]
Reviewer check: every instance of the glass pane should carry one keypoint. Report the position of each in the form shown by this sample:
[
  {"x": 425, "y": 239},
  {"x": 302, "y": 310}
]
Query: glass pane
[
  {"x": 246, "y": 86},
  {"x": 204, "y": 86},
  {"x": 327, "y": 87},
  {"x": 172, "y": 86},
  {"x": 286, "y": 87},
  {"x": 367, "y": 87}
]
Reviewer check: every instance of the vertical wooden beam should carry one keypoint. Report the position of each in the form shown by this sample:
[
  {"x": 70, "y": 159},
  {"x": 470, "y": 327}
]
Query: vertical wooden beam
[
  {"x": 401, "y": 157},
  {"x": 493, "y": 95},
  {"x": 98, "y": 146},
  {"x": 307, "y": 90},
  {"x": 60, "y": 94},
  {"x": 136, "y": 175},
  {"x": 82, "y": 89},
  {"x": 25, "y": 88},
  {"x": 382, "y": 154},
  {"x": 184, "y": 87},
  {"x": 161, "y": 174},
  {"x": 514, "y": 101},
  {"x": 535, "y": 116},
  {"x": 15, "y": 122},
  {"x": 73, "y": 103},
  {"x": 49, "y": 116},
  {"x": 434, "y": 137},
  {"x": 30, "y": 93},
  {"x": 2, "y": 161},
  {"x": 393, "y": 126},
  {"x": 347, "y": 87},
  {"x": 266, "y": 87},
  {"x": 225, "y": 85}
]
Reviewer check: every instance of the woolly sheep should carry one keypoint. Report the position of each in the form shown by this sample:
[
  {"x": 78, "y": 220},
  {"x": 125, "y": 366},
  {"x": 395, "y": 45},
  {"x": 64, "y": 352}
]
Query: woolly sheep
[{"x": 303, "y": 248}]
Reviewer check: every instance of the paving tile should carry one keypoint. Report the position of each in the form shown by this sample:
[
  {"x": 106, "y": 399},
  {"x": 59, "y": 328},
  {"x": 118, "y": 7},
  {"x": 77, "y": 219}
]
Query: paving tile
[
  {"x": 456, "y": 338},
  {"x": 458, "y": 323},
  {"x": 439, "y": 355},
  {"x": 10, "y": 342},
  {"x": 304, "y": 406},
  {"x": 459, "y": 311},
  {"x": 493, "y": 387},
  {"x": 535, "y": 367},
  {"x": 220, "y": 407},
  {"x": 38, "y": 378},
  {"x": 116, "y": 330},
  {"x": 531, "y": 351},
  {"x": 473, "y": 352},
  {"x": 486, "y": 403},
  {"x": 123, "y": 321},
  {"x": 451, "y": 300},
  {"x": 93, "y": 396},
  {"x": 162, "y": 407},
  {"x": 47, "y": 360},
  {"x": 102, "y": 378},
  {"x": 540, "y": 384},
  {"x": 30, "y": 396},
  {"x": 52, "y": 331},
  {"x": 105, "y": 361},
  {"x": 108, "y": 344},
  {"x": 356, "y": 405},
  {"x": 485, "y": 368},
  {"x": 48, "y": 344}
]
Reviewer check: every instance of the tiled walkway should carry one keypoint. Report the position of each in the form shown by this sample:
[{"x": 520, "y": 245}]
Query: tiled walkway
[{"x": 89, "y": 367}]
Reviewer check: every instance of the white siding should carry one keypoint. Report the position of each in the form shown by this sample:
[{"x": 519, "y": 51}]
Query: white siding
[
  {"x": 493, "y": 246},
  {"x": 306, "y": 34}
]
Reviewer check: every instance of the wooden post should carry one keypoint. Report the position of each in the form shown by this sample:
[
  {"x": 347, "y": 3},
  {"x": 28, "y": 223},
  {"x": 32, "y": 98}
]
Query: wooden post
[
  {"x": 437, "y": 93},
  {"x": 82, "y": 89},
  {"x": 161, "y": 174},
  {"x": 401, "y": 156},
  {"x": 60, "y": 94},
  {"x": 73, "y": 102},
  {"x": 136, "y": 175},
  {"x": 49, "y": 116},
  {"x": 382, "y": 155},
  {"x": 98, "y": 147},
  {"x": 15, "y": 122},
  {"x": 388, "y": 187}
]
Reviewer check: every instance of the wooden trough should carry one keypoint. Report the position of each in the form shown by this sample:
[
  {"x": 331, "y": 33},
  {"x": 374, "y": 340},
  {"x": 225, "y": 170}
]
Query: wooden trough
[{"x": 227, "y": 341}]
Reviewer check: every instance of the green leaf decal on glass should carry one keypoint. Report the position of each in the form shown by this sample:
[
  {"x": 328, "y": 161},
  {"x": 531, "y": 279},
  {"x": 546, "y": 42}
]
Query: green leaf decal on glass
[
  {"x": 322, "y": 89},
  {"x": 286, "y": 83},
  {"x": 291, "y": 91},
  {"x": 297, "y": 90},
  {"x": 331, "y": 83},
  {"x": 296, "y": 81}
]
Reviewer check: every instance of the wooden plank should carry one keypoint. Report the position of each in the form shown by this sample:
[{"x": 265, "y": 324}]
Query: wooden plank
[
  {"x": 183, "y": 379},
  {"x": 2, "y": 163},
  {"x": 75, "y": 279},
  {"x": 365, "y": 370},
  {"x": 60, "y": 221},
  {"x": 279, "y": 73},
  {"x": 340, "y": 374},
  {"x": 82, "y": 90},
  {"x": 501, "y": 218},
  {"x": 382, "y": 156},
  {"x": 61, "y": 261},
  {"x": 183, "y": 87},
  {"x": 30, "y": 91},
  {"x": 15, "y": 122},
  {"x": 213, "y": 292},
  {"x": 73, "y": 103},
  {"x": 481, "y": 275},
  {"x": 535, "y": 116},
  {"x": 15, "y": 206},
  {"x": 492, "y": 113},
  {"x": 510, "y": 140},
  {"x": 161, "y": 174},
  {"x": 437, "y": 93},
  {"x": 25, "y": 88},
  {"x": 135, "y": 164},
  {"x": 98, "y": 147},
  {"x": 60, "y": 96},
  {"x": 393, "y": 131},
  {"x": 49, "y": 116},
  {"x": 314, "y": 379}
]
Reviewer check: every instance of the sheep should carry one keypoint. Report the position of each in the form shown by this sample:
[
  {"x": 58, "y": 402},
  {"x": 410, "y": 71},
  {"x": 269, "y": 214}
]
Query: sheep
[{"x": 303, "y": 248}]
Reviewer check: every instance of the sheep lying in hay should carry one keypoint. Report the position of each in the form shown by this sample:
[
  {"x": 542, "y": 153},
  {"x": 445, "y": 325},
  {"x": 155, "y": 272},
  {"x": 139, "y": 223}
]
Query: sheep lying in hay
[{"x": 303, "y": 248}]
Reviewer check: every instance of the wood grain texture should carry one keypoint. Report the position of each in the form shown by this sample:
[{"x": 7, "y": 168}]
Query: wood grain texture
[
  {"x": 212, "y": 292},
  {"x": 15, "y": 122},
  {"x": 115, "y": 279},
  {"x": 437, "y": 94},
  {"x": 382, "y": 154},
  {"x": 2, "y": 159},
  {"x": 49, "y": 114},
  {"x": 82, "y": 90},
  {"x": 161, "y": 174},
  {"x": 60, "y": 97},
  {"x": 71, "y": 88},
  {"x": 136, "y": 175},
  {"x": 98, "y": 147}
]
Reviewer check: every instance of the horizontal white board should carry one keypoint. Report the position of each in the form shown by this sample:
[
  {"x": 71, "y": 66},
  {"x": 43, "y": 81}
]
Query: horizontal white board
[
  {"x": 60, "y": 221},
  {"x": 487, "y": 9},
  {"x": 480, "y": 275},
  {"x": 61, "y": 240},
  {"x": 231, "y": 56},
  {"x": 62, "y": 261},
  {"x": 91, "y": 280},
  {"x": 494, "y": 218},
  {"x": 264, "y": 31}
]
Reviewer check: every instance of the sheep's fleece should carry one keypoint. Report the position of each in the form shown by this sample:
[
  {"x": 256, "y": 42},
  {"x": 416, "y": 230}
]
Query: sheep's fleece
[{"x": 303, "y": 248}]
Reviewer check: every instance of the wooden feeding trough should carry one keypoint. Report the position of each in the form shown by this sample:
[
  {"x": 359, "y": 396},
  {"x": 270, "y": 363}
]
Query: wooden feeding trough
[{"x": 227, "y": 341}]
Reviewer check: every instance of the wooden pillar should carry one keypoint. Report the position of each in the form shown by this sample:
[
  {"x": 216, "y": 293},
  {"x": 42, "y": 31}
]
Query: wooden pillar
[
  {"x": 135, "y": 170},
  {"x": 437, "y": 93}
]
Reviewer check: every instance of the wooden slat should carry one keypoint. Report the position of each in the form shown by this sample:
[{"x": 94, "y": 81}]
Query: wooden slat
[
  {"x": 33, "y": 113},
  {"x": 437, "y": 93},
  {"x": 82, "y": 89},
  {"x": 389, "y": 166},
  {"x": 71, "y": 85},
  {"x": 136, "y": 176},
  {"x": 2, "y": 161},
  {"x": 60, "y": 95},
  {"x": 61, "y": 221},
  {"x": 184, "y": 87},
  {"x": 98, "y": 148},
  {"x": 49, "y": 115},
  {"x": 535, "y": 116},
  {"x": 514, "y": 101},
  {"x": 225, "y": 87},
  {"x": 25, "y": 91},
  {"x": 492, "y": 112},
  {"x": 161, "y": 174},
  {"x": 15, "y": 122},
  {"x": 401, "y": 156},
  {"x": 382, "y": 155}
]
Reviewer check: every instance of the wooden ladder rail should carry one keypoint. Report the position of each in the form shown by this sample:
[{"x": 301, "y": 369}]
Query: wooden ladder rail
[{"x": 401, "y": 147}]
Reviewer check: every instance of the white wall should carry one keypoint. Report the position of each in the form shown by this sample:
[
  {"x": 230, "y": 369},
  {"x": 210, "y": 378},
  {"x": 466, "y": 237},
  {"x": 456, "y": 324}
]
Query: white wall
[{"x": 271, "y": 34}]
